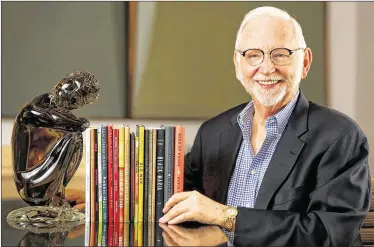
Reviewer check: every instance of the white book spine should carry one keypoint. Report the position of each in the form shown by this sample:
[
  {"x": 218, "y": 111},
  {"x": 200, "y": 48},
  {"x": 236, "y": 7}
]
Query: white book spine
[{"x": 88, "y": 186}]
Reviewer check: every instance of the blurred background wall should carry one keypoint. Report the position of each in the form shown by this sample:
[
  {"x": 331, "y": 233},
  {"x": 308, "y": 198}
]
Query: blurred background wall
[{"x": 182, "y": 70}]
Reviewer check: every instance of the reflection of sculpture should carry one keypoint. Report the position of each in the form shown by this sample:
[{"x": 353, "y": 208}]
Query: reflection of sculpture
[
  {"x": 51, "y": 238},
  {"x": 43, "y": 239},
  {"x": 47, "y": 142}
]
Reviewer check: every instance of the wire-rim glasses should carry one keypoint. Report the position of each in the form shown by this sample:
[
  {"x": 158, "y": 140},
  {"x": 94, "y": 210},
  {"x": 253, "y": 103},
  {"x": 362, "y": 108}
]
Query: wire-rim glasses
[{"x": 279, "y": 56}]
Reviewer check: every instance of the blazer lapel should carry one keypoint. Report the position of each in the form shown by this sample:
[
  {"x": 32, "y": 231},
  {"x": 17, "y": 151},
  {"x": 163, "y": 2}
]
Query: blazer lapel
[
  {"x": 285, "y": 155},
  {"x": 229, "y": 145}
]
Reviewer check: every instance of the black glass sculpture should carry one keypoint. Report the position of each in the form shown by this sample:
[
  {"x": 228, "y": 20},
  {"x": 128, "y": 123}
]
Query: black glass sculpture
[
  {"x": 47, "y": 147},
  {"x": 43, "y": 239}
]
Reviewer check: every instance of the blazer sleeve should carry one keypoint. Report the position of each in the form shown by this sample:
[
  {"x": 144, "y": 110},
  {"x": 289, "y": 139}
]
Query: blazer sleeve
[
  {"x": 337, "y": 207},
  {"x": 192, "y": 165}
]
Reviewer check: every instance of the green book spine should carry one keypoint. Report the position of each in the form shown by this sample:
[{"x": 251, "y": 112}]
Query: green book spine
[{"x": 104, "y": 184}]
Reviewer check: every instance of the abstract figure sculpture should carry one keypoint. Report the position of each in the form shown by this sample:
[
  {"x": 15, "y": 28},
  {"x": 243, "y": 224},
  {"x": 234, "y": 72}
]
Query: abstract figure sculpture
[{"x": 47, "y": 147}]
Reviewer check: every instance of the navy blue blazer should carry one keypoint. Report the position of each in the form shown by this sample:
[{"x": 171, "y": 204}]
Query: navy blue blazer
[{"x": 316, "y": 190}]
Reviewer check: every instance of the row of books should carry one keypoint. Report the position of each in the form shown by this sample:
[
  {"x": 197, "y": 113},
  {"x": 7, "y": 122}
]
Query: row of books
[
  {"x": 129, "y": 178},
  {"x": 92, "y": 229}
]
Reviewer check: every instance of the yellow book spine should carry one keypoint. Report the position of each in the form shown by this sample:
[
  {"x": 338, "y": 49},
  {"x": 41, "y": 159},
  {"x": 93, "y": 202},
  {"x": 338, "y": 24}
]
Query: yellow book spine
[
  {"x": 141, "y": 185},
  {"x": 136, "y": 217},
  {"x": 126, "y": 237},
  {"x": 121, "y": 165}
]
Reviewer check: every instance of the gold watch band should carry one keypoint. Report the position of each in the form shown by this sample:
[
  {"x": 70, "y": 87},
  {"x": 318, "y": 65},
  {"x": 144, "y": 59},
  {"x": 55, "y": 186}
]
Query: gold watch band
[{"x": 230, "y": 215}]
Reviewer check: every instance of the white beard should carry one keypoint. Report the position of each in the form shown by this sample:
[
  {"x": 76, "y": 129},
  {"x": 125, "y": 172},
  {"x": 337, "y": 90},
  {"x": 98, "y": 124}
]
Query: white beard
[{"x": 272, "y": 96}]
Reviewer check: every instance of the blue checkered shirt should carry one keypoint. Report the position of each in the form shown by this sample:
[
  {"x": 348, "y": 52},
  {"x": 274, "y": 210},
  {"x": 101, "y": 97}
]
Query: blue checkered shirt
[{"x": 250, "y": 169}]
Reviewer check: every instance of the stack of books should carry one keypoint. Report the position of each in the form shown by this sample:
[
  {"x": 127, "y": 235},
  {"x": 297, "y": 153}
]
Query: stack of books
[{"x": 129, "y": 178}]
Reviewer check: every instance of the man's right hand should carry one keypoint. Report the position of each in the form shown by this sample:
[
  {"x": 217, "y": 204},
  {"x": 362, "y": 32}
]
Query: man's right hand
[{"x": 175, "y": 235}]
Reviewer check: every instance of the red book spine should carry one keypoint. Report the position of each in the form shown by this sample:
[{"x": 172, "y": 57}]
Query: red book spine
[{"x": 116, "y": 187}]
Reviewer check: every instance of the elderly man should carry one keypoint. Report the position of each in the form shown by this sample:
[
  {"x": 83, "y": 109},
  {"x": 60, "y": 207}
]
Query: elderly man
[{"x": 280, "y": 170}]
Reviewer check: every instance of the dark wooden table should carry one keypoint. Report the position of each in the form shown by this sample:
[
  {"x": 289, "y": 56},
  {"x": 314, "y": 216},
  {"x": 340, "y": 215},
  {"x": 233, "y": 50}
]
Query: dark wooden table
[{"x": 186, "y": 234}]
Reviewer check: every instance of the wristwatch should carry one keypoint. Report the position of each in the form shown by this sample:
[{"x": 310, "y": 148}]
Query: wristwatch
[{"x": 230, "y": 214}]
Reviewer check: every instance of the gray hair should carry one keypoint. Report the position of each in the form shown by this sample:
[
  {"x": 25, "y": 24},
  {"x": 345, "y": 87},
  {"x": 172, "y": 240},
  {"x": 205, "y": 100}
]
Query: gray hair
[{"x": 275, "y": 12}]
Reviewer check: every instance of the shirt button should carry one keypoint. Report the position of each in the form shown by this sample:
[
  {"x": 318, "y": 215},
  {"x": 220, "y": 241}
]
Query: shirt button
[{"x": 253, "y": 172}]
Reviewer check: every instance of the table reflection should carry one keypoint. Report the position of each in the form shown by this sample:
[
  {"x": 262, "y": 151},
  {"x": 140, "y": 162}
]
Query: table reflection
[
  {"x": 154, "y": 235},
  {"x": 112, "y": 234}
]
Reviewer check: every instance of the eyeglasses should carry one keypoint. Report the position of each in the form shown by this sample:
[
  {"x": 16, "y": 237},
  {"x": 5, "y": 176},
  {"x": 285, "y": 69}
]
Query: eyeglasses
[{"x": 279, "y": 56}]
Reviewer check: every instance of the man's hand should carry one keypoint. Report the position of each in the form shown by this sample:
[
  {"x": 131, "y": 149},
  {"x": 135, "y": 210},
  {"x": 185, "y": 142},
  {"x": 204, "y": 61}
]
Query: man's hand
[
  {"x": 202, "y": 236},
  {"x": 193, "y": 206},
  {"x": 76, "y": 198}
]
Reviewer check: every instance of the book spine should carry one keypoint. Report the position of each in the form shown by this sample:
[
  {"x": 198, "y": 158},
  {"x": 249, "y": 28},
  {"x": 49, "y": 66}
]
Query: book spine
[
  {"x": 132, "y": 188},
  {"x": 146, "y": 186},
  {"x": 179, "y": 159},
  {"x": 160, "y": 162},
  {"x": 172, "y": 165},
  {"x": 126, "y": 179},
  {"x": 127, "y": 229},
  {"x": 116, "y": 191},
  {"x": 158, "y": 236},
  {"x": 100, "y": 186},
  {"x": 136, "y": 185},
  {"x": 154, "y": 173},
  {"x": 110, "y": 196},
  {"x": 141, "y": 185},
  {"x": 88, "y": 186},
  {"x": 121, "y": 168},
  {"x": 87, "y": 227},
  {"x": 104, "y": 164},
  {"x": 150, "y": 187},
  {"x": 169, "y": 147},
  {"x": 93, "y": 170},
  {"x": 105, "y": 234}
]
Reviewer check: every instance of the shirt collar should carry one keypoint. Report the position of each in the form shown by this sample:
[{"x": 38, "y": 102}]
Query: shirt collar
[{"x": 281, "y": 117}]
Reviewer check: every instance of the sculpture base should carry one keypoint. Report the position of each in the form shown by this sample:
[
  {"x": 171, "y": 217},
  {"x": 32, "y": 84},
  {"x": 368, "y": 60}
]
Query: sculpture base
[{"x": 42, "y": 219}]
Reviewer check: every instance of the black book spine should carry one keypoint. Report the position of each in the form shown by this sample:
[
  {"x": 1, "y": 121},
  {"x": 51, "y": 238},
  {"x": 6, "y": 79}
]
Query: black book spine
[
  {"x": 96, "y": 165},
  {"x": 146, "y": 171},
  {"x": 97, "y": 232},
  {"x": 172, "y": 140},
  {"x": 158, "y": 236},
  {"x": 160, "y": 160},
  {"x": 169, "y": 147}
]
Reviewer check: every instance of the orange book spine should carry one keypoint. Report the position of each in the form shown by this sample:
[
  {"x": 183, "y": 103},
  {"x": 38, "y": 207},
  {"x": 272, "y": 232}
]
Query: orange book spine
[{"x": 179, "y": 159}]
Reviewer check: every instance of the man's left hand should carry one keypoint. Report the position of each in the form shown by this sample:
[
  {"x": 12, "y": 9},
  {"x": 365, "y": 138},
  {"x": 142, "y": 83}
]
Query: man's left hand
[{"x": 193, "y": 206}]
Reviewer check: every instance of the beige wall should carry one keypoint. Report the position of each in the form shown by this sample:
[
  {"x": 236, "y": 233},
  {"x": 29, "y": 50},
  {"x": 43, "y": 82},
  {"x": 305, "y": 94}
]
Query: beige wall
[
  {"x": 42, "y": 41},
  {"x": 188, "y": 72},
  {"x": 351, "y": 63}
]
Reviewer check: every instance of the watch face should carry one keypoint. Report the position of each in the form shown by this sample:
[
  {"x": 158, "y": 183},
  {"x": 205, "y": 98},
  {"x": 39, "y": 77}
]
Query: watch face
[{"x": 231, "y": 211}]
